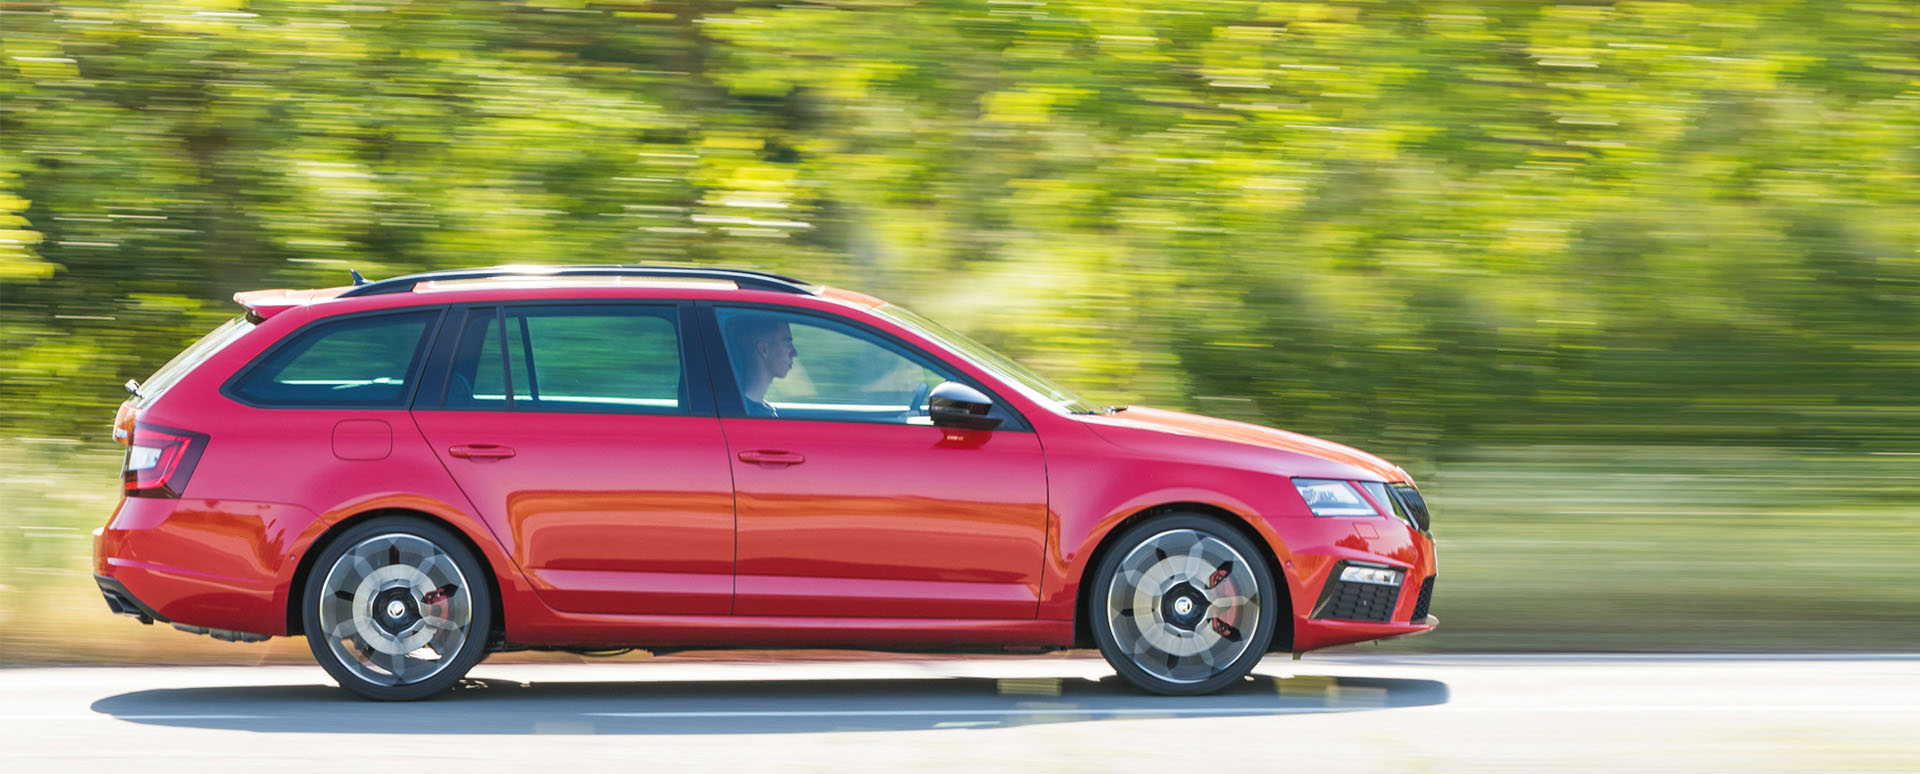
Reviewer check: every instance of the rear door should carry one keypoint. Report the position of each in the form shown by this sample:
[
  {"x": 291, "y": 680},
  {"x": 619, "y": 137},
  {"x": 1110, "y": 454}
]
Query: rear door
[{"x": 592, "y": 451}]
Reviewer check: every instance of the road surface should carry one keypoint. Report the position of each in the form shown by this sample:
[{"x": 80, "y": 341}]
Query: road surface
[{"x": 1047, "y": 714}]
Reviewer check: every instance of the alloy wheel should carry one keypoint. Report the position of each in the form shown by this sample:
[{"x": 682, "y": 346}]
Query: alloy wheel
[
  {"x": 1183, "y": 605},
  {"x": 395, "y": 609}
]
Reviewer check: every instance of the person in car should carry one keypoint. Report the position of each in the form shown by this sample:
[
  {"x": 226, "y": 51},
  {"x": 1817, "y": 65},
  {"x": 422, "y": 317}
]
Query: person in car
[{"x": 763, "y": 348}]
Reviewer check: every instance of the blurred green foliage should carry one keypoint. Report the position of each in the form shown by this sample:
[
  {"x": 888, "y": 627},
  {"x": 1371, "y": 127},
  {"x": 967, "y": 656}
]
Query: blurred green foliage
[{"x": 1410, "y": 226}]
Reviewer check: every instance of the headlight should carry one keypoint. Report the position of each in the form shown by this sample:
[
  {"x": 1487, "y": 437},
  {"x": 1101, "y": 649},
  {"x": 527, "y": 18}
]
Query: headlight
[
  {"x": 1383, "y": 495},
  {"x": 1416, "y": 506},
  {"x": 1327, "y": 497}
]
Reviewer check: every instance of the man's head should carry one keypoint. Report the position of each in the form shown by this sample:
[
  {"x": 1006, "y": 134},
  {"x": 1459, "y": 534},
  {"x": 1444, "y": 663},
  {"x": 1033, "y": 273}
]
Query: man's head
[{"x": 766, "y": 345}]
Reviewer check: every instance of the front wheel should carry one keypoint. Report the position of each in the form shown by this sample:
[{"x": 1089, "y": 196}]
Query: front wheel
[
  {"x": 397, "y": 609},
  {"x": 1183, "y": 605}
]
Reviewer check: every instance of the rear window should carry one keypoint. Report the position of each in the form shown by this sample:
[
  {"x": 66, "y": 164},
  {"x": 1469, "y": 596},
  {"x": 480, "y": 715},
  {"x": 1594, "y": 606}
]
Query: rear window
[
  {"x": 191, "y": 358},
  {"x": 367, "y": 361},
  {"x": 599, "y": 358}
]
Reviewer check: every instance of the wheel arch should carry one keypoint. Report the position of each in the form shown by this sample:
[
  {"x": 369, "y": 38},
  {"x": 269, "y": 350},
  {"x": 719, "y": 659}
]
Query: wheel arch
[
  {"x": 1082, "y": 624},
  {"x": 296, "y": 591}
]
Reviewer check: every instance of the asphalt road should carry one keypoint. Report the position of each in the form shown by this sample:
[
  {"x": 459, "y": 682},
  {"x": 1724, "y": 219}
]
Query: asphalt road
[{"x": 1399, "y": 714}]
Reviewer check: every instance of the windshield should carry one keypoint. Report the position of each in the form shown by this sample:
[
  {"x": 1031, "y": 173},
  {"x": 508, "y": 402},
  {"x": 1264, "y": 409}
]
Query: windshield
[{"x": 1034, "y": 385}]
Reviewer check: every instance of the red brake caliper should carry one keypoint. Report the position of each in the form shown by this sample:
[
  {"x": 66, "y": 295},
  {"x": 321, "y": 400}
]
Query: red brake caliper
[{"x": 438, "y": 595}]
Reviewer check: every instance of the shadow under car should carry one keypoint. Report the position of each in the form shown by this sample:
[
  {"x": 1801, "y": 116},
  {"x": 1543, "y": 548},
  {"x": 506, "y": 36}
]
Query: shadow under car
[{"x": 489, "y": 706}]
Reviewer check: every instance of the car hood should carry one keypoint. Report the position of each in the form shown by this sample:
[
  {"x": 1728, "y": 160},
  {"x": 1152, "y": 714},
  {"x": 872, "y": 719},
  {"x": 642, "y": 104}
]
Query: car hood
[{"x": 1124, "y": 428}]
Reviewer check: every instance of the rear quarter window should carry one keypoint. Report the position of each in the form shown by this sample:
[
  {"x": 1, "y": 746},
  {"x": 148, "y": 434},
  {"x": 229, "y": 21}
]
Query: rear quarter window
[
  {"x": 190, "y": 358},
  {"x": 367, "y": 361}
]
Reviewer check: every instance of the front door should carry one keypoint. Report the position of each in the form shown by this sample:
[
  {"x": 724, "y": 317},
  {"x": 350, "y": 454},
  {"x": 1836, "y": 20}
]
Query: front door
[
  {"x": 849, "y": 502},
  {"x": 574, "y": 432}
]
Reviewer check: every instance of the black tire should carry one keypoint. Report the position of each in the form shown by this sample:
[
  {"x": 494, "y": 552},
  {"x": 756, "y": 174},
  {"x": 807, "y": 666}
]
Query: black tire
[
  {"x": 381, "y": 586},
  {"x": 1193, "y": 637}
]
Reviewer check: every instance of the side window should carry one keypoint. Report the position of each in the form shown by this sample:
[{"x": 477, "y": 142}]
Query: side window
[
  {"x": 580, "y": 359},
  {"x": 361, "y": 361},
  {"x": 795, "y": 366}
]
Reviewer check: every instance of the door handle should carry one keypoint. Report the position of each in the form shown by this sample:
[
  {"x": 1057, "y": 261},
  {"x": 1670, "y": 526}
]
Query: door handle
[
  {"x": 771, "y": 457},
  {"x": 484, "y": 451}
]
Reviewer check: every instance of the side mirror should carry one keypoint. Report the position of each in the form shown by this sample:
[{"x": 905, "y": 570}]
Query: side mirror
[{"x": 953, "y": 404}]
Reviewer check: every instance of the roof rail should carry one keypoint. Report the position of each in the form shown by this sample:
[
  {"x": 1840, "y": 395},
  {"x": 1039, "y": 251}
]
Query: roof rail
[{"x": 745, "y": 278}]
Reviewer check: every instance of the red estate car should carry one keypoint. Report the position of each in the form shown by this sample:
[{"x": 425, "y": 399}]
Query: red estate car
[{"x": 416, "y": 472}]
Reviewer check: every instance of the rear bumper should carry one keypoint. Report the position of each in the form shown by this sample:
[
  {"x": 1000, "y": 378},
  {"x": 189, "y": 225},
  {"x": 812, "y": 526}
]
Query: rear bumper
[
  {"x": 198, "y": 564},
  {"x": 123, "y": 602}
]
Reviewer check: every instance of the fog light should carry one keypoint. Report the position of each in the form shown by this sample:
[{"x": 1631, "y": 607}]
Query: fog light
[{"x": 1377, "y": 575}]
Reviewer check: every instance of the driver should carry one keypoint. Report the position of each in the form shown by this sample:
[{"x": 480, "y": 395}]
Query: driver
[{"x": 763, "y": 348}]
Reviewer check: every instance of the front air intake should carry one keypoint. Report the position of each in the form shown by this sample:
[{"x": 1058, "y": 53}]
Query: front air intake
[
  {"x": 1421, "y": 607},
  {"x": 1356, "y": 601}
]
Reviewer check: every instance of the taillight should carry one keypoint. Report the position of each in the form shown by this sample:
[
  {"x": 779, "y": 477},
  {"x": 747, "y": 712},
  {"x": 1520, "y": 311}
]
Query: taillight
[
  {"x": 160, "y": 459},
  {"x": 123, "y": 423}
]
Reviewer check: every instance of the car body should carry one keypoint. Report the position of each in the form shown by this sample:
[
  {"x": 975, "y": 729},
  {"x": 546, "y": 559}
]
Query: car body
[{"x": 869, "y": 512}]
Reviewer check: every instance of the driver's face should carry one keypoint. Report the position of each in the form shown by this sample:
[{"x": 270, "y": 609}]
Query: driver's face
[{"x": 777, "y": 353}]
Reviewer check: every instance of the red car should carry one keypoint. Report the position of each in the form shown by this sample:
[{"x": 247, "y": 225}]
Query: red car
[{"x": 416, "y": 472}]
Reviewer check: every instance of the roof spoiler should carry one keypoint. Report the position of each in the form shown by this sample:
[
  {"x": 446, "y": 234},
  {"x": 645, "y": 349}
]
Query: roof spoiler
[{"x": 262, "y": 304}]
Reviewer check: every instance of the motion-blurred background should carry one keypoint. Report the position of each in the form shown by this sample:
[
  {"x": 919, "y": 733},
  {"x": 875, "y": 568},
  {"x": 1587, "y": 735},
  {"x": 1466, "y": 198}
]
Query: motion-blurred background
[{"x": 1633, "y": 288}]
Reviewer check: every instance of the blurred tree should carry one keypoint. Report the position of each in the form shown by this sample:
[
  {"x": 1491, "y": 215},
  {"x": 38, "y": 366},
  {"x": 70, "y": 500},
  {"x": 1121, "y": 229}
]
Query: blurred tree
[{"x": 1400, "y": 224}]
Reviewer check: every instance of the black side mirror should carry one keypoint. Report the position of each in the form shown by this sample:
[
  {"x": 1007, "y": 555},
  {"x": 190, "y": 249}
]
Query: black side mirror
[{"x": 953, "y": 404}]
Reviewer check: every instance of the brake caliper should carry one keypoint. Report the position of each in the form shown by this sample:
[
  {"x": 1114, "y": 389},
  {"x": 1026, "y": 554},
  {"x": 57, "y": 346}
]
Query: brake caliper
[{"x": 438, "y": 595}]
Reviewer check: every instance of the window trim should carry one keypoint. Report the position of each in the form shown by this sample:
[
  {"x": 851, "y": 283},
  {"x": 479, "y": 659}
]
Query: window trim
[
  {"x": 726, "y": 390},
  {"x": 693, "y": 372},
  {"x": 506, "y": 360},
  {"x": 422, "y": 357}
]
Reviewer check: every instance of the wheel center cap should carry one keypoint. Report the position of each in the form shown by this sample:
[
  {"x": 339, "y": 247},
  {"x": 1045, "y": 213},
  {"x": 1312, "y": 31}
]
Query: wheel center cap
[
  {"x": 396, "y": 609},
  {"x": 1183, "y": 605}
]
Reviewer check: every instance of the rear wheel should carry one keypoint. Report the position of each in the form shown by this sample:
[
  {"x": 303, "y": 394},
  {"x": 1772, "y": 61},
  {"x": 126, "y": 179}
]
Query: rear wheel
[
  {"x": 1183, "y": 605},
  {"x": 397, "y": 609}
]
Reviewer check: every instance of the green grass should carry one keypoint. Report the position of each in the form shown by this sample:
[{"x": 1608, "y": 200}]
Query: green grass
[
  {"x": 1574, "y": 548},
  {"x": 1661, "y": 548}
]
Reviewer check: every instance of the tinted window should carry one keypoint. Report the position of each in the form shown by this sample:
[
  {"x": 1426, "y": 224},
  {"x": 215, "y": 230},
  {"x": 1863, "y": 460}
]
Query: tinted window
[
  {"x": 794, "y": 366},
  {"x": 594, "y": 358},
  {"x": 360, "y": 361},
  {"x": 191, "y": 358}
]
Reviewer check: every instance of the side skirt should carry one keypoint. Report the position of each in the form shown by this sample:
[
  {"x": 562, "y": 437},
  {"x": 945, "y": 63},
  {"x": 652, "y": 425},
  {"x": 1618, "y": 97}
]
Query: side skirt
[{"x": 554, "y": 629}]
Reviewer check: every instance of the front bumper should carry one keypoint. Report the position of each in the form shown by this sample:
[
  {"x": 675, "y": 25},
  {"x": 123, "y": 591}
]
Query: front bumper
[{"x": 1330, "y": 611}]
